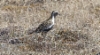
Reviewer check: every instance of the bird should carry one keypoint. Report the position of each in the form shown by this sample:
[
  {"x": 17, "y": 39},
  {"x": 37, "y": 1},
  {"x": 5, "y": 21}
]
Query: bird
[{"x": 47, "y": 25}]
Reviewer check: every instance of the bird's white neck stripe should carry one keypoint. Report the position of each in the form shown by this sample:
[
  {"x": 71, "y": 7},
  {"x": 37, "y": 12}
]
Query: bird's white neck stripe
[{"x": 53, "y": 20}]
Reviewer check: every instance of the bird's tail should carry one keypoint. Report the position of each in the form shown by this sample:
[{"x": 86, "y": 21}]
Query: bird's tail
[
  {"x": 33, "y": 31},
  {"x": 30, "y": 32}
]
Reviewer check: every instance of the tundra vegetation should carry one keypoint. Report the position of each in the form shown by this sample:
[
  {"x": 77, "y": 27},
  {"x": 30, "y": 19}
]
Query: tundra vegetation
[{"x": 76, "y": 30}]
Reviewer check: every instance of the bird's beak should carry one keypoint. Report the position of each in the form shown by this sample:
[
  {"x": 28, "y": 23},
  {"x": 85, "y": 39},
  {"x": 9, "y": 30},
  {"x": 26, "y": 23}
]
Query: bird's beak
[{"x": 59, "y": 14}]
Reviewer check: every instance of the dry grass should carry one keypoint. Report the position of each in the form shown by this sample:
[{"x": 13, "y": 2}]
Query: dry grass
[{"x": 76, "y": 31}]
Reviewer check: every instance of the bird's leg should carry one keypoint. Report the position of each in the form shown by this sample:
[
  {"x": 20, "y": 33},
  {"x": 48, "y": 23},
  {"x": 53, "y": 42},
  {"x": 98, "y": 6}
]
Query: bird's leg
[
  {"x": 44, "y": 34},
  {"x": 53, "y": 37},
  {"x": 45, "y": 38}
]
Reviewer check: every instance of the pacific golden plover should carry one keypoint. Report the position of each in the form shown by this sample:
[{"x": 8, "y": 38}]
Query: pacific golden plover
[{"x": 47, "y": 25}]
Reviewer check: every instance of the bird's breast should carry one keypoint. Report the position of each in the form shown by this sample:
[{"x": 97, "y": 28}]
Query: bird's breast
[{"x": 52, "y": 20}]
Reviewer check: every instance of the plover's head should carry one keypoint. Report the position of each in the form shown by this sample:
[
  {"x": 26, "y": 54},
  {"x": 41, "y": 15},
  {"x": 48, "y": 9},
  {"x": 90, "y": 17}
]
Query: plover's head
[{"x": 54, "y": 13}]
